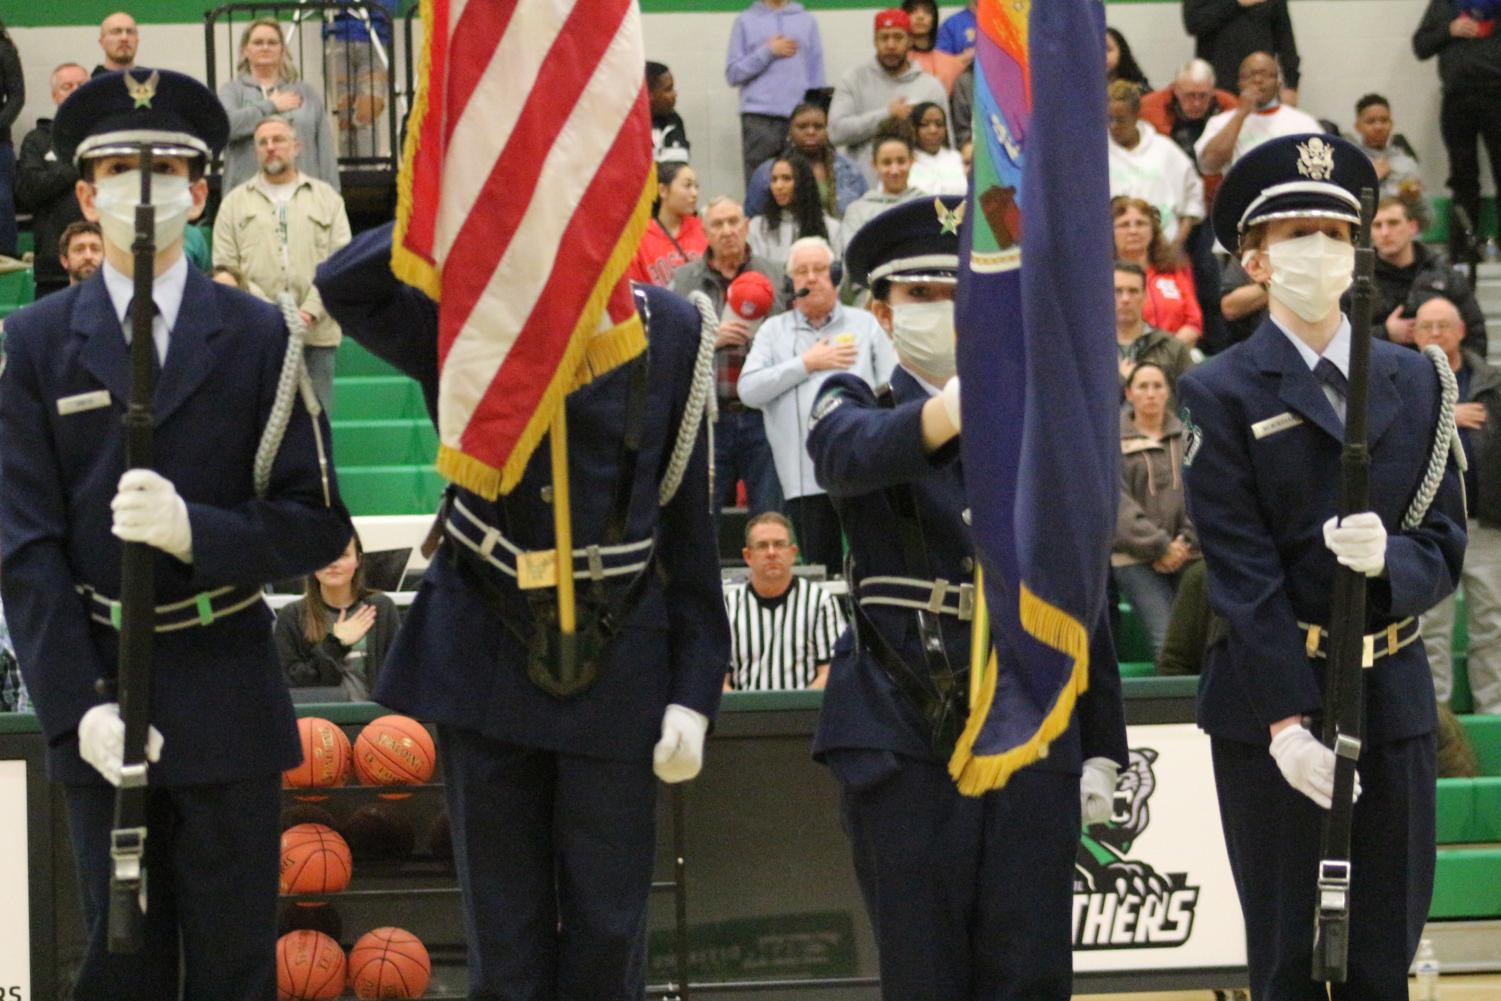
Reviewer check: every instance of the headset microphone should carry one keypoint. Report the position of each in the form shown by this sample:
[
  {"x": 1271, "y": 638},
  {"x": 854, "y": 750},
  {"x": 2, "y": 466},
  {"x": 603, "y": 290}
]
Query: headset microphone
[{"x": 802, "y": 292}]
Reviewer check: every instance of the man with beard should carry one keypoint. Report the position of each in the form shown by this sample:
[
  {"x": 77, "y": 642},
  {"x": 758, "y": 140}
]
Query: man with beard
[
  {"x": 118, "y": 40},
  {"x": 81, "y": 250},
  {"x": 275, "y": 229},
  {"x": 1260, "y": 114}
]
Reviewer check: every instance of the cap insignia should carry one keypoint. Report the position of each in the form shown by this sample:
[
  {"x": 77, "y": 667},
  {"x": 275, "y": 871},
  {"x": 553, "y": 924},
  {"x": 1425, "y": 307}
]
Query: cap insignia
[
  {"x": 141, "y": 93},
  {"x": 949, "y": 222},
  {"x": 1316, "y": 159}
]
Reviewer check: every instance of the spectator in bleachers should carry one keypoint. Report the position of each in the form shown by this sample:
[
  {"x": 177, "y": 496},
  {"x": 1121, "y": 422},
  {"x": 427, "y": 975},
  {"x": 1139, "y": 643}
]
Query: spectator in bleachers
[
  {"x": 358, "y": 78},
  {"x": 12, "y": 100},
  {"x": 1465, "y": 38},
  {"x": 44, "y": 185},
  {"x": 675, "y": 235},
  {"x": 1478, "y": 419},
  {"x": 1149, "y": 166},
  {"x": 793, "y": 353},
  {"x": 1408, "y": 272},
  {"x": 782, "y": 626},
  {"x": 741, "y": 449},
  {"x": 1227, "y": 31},
  {"x": 925, "y": 53},
  {"x": 338, "y": 632},
  {"x": 891, "y": 157},
  {"x": 275, "y": 229},
  {"x": 962, "y": 106},
  {"x": 669, "y": 139},
  {"x": 81, "y": 250},
  {"x": 937, "y": 167},
  {"x": 1172, "y": 301},
  {"x": 267, "y": 84},
  {"x": 1396, "y": 161},
  {"x": 1243, "y": 302},
  {"x": 1260, "y": 114},
  {"x": 118, "y": 39},
  {"x": 775, "y": 57},
  {"x": 958, "y": 33},
  {"x": 1120, "y": 64},
  {"x": 795, "y": 211},
  {"x": 1180, "y": 112},
  {"x": 1153, "y": 537},
  {"x": 1187, "y": 637},
  {"x": 1136, "y": 341},
  {"x": 840, "y": 180},
  {"x": 887, "y": 86}
]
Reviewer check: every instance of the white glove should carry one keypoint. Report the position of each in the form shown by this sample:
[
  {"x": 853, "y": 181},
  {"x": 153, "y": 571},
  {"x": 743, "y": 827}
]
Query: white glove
[
  {"x": 679, "y": 755},
  {"x": 1307, "y": 764},
  {"x": 1359, "y": 542},
  {"x": 147, "y": 509},
  {"x": 1097, "y": 790},
  {"x": 101, "y": 741},
  {"x": 951, "y": 400}
]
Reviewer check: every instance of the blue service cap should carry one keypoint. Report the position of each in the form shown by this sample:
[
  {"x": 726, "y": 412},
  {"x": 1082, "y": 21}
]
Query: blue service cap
[
  {"x": 116, "y": 113},
  {"x": 1304, "y": 176},
  {"x": 916, "y": 238}
]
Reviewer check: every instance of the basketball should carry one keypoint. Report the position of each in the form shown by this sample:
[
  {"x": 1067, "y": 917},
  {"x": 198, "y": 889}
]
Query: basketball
[
  {"x": 309, "y": 967},
  {"x": 389, "y": 963},
  {"x": 314, "y": 859},
  {"x": 325, "y": 756},
  {"x": 394, "y": 750}
]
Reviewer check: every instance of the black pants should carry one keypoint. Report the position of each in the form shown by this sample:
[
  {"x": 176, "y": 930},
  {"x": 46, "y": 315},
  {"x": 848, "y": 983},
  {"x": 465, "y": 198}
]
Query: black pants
[
  {"x": 761, "y": 138},
  {"x": 212, "y": 855},
  {"x": 1206, "y": 271},
  {"x": 817, "y": 527},
  {"x": 554, "y": 858},
  {"x": 1272, "y": 838},
  {"x": 1466, "y": 117}
]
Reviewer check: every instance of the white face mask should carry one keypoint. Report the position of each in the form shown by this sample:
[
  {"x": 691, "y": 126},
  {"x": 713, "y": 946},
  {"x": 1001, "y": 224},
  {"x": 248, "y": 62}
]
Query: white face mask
[
  {"x": 117, "y": 196},
  {"x": 1310, "y": 273},
  {"x": 924, "y": 336}
]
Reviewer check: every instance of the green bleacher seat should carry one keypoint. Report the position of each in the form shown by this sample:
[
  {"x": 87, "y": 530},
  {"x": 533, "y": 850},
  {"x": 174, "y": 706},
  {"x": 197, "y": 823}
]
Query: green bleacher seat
[
  {"x": 1467, "y": 884},
  {"x": 1485, "y": 735},
  {"x": 377, "y": 397},
  {"x": 1133, "y": 645},
  {"x": 1456, "y": 812},
  {"x": 17, "y": 289},
  {"x": 352, "y": 359},
  {"x": 1138, "y": 669},
  {"x": 404, "y": 441},
  {"x": 390, "y": 489}
]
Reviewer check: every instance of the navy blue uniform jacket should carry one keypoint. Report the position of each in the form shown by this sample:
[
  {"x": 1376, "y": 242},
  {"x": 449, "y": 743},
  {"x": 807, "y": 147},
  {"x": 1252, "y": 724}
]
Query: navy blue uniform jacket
[
  {"x": 859, "y": 450},
  {"x": 455, "y": 661},
  {"x": 217, "y": 692},
  {"x": 1260, "y": 503}
]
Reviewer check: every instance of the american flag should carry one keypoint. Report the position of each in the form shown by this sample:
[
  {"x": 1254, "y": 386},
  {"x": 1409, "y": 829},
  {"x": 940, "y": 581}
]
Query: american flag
[{"x": 526, "y": 185}]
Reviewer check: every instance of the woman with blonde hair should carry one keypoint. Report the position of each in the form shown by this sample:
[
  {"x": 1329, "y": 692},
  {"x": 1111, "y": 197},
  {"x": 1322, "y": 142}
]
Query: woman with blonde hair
[{"x": 267, "y": 85}]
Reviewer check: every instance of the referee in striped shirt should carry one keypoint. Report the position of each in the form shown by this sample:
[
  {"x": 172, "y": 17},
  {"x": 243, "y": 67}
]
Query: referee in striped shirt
[{"x": 782, "y": 627}]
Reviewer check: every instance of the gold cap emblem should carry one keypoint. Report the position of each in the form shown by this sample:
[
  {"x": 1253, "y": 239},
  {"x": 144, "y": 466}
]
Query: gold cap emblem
[{"x": 142, "y": 93}]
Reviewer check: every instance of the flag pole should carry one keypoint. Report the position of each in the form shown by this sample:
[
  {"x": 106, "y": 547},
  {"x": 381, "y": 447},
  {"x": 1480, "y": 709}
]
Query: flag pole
[
  {"x": 562, "y": 524},
  {"x": 979, "y": 638}
]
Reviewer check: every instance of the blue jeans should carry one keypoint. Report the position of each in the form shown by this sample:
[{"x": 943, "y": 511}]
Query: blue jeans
[
  {"x": 8, "y": 200},
  {"x": 741, "y": 452},
  {"x": 1151, "y": 595}
]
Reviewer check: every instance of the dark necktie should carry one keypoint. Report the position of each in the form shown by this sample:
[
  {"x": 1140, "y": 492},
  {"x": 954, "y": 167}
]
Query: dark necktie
[
  {"x": 1329, "y": 374},
  {"x": 156, "y": 361}
]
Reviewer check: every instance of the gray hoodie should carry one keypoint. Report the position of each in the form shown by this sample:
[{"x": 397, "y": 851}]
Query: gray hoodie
[{"x": 861, "y": 100}]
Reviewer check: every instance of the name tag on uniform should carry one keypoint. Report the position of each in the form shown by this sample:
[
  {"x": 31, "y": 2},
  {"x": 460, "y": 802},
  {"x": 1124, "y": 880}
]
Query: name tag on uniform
[
  {"x": 537, "y": 569},
  {"x": 1272, "y": 425},
  {"x": 83, "y": 401}
]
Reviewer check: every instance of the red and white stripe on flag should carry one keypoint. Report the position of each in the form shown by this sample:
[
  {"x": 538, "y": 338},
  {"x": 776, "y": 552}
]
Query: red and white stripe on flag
[{"x": 526, "y": 185}]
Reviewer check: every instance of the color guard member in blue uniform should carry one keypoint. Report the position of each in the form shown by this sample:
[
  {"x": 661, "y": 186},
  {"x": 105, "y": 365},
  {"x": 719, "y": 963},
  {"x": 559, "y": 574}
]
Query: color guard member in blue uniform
[
  {"x": 1264, "y": 424},
  {"x": 222, "y": 728},
  {"x": 551, "y": 794},
  {"x": 970, "y": 898}
]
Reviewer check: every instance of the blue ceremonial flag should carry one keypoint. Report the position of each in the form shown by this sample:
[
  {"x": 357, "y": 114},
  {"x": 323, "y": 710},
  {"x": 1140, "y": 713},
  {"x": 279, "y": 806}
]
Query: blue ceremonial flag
[{"x": 1037, "y": 363}]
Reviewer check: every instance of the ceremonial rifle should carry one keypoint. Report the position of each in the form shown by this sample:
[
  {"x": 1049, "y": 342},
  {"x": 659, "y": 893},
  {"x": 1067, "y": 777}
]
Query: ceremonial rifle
[
  {"x": 127, "y": 888},
  {"x": 1347, "y": 655}
]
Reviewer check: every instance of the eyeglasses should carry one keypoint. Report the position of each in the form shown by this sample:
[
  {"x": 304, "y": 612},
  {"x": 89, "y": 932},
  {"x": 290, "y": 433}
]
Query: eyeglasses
[
  {"x": 768, "y": 545},
  {"x": 1429, "y": 326}
]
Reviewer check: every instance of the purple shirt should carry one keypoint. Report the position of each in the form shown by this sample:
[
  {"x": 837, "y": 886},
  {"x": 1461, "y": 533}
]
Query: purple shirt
[{"x": 768, "y": 85}]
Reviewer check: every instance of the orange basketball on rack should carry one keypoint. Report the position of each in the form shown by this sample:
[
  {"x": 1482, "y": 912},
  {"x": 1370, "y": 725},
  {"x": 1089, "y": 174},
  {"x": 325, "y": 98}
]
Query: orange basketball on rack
[
  {"x": 310, "y": 966},
  {"x": 394, "y": 750},
  {"x": 389, "y": 963},
  {"x": 325, "y": 756},
  {"x": 314, "y": 859}
]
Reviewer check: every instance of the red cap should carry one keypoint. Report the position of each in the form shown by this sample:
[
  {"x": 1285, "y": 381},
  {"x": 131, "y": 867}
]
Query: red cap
[
  {"x": 750, "y": 295},
  {"x": 894, "y": 18}
]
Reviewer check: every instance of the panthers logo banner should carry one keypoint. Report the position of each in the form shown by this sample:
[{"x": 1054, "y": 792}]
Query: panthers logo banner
[
  {"x": 525, "y": 187},
  {"x": 1041, "y": 432}
]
